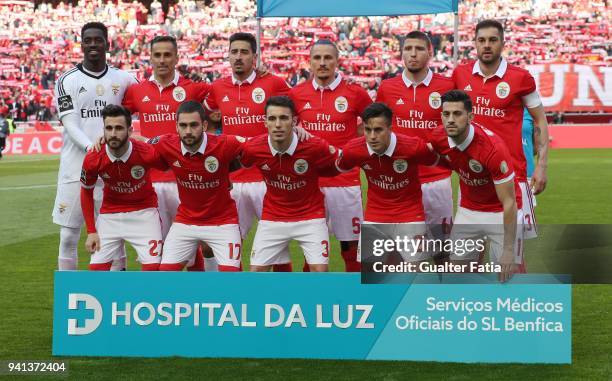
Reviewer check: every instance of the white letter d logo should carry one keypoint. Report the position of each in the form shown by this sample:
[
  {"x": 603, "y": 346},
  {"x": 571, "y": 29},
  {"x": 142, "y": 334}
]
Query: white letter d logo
[{"x": 91, "y": 303}]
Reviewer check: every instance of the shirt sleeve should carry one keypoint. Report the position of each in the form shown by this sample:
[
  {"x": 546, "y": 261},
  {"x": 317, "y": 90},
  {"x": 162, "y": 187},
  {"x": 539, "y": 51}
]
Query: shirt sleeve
[
  {"x": 363, "y": 100},
  {"x": 154, "y": 159},
  {"x": 527, "y": 86},
  {"x": 89, "y": 172},
  {"x": 424, "y": 153},
  {"x": 347, "y": 159},
  {"x": 282, "y": 88},
  {"x": 499, "y": 165},
  {"x": 380, "y": 95},
  {"x": 65, "y": 96},
  {"x": 87, "y": 206},
  {"x": 246, "y": 157},
  {"x": 201, "y": 90},
  {"x": 210, "y": 102},
  {"x": 71, "y": 123},
  {"x": 129, "y": 99},
  {"x": 233, "y": 147},
  {"x": 532, "y": 100},
  {"x": 327, "y": 156}
]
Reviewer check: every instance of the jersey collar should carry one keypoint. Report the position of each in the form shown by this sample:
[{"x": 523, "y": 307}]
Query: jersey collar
[
  {"x": 174, "y": 81},
  {"x": 201, "y": 149},
  {"x": 425, "y": 80},
  {"x": 290, "y": 151},
  {"x": 501, "y": 70},
  {"x": 463, "y": 146},
  {"x": 124, "y": 158},
  {"x": 90, "y": 73},
  {"x": 332, "y": 86},
  {"x": 390, "y": 149},
  {"x": 250, "y": 79}
]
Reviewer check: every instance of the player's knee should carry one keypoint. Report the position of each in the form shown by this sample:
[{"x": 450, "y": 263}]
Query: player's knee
[
  {"x": 69, "y": 239},
  {"x": 348, "y": 245}
]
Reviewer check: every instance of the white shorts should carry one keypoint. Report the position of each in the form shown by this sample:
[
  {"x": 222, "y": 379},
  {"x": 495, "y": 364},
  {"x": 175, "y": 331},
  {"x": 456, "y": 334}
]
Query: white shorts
[
  {"x": 471, "y": 224},
  {"x": 67, "y": 209},
  {"x": 140, "y": 228},
  {"x": 182, "y": 243},
  {"x": 271, "y": 244},
  {"x": 409, "y": 229},
  {"x": 168, "y": 202},
  {"x": 249, "y": 203},
  {"x": 438, "y": 204},
  {"x": 344, "y": 211},
  {"x": 530, "y": 225}
]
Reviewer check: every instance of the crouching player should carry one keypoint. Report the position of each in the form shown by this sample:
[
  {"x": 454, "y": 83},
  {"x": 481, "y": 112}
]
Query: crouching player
[
  {"x": 490, "y": 195},
  {"x": 293, "y": 206},
  {"x": 129, "y": 204}
]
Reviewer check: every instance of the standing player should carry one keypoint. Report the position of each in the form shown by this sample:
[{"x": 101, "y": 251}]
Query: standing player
[
  {"x": 414, "y": 99},
  {"x": 80, "y": 95},
  {"x": 129, "y": 206},
  {"x": 293, "y": 207},
  {"x": 329, "y": 107},
  {"x": 390, "y": 162},
  {"x": 500, "y": 92},
  {"x": 241, "y": 100},
  {"x": 489, "y": 191},
  {"x": 206, "y": 212},
  {"x": 156, "y": 101}
]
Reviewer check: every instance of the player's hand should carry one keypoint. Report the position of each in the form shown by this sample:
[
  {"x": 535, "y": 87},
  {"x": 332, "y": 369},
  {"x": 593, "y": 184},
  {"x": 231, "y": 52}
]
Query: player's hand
[
  {"x": 508, "y": 268},
  {"x": 539, "y": 180},
  {"x": 215, "y": 116},
  {"x": 98, "y": 143},
  {"x": 92, "y": 244},
  {"x": 302, "y": 134}
]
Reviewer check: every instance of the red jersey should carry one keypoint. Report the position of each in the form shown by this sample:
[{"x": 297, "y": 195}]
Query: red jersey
[
  {"x": 481, "y": 161},
  {"x": 498, "y": 103},
  {"x": 157, "y": 107},
  {"x": 292, "y": 177},
  {"x": 332, "y": 114},
  {"x": 394, "y": 190},
  {"x": 417, "y": 109},
  {"x": 242, "y": 107},
  {"x": 127, "y": 181},
  {"x": 202, "y": 178}
]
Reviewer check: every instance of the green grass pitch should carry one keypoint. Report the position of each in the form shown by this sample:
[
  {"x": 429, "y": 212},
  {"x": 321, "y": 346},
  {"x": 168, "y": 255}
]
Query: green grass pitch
[{"x": 580, "y": 184}]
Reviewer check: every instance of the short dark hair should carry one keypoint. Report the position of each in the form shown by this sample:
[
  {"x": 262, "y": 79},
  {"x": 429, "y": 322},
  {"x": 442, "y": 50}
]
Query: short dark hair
[
  {"x": 95, "y": 25},
  {"x": 417, "y": 35},
  {"x": 325, "y": 42},
  {"x": 116, "y": 110},
  {"x": 169, "y": 39},
  {"x": 458, "y": 96},
  {"x": 490, "y": 23},
  {"x": 281, "y": 101},
  {"x": 248, "y": 37},
  {"x": 190, "y": 107},
  {"x": 375, "y": 110}
]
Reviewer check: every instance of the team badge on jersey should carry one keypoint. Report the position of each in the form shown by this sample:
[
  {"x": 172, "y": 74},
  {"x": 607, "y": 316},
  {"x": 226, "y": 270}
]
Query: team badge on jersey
[
  {"x": 502, "y": 90},
  {"x": 503, "y": 167},
  {"x": 475, "y": 166},
  {"x": 64, "y": 103},
  {"x": 341, "y": 104},
  {"x": 400, "y": 165},
  {"x": 258, "y": 95},
  {"x": 179, "y": 94},
  {"x": 100, "y": 90},
  {"x": 332, "y": 149},
  {"x": 137, "y": 172},
  {"x": 435, "y": 100},
  {"x": 211, "y": 164},
  {"x": 300, "y": 166},
  {"x": 115, "y": 89}
]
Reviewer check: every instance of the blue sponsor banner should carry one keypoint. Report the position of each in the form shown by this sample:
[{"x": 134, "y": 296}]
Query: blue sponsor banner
[
  {"x": 325, "y": 8},
  {"x": 322, "y": 316}
]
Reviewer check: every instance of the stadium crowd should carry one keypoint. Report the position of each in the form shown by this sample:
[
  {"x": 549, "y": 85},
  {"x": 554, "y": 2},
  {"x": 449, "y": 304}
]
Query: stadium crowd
[{"x": 39, "y": 43}]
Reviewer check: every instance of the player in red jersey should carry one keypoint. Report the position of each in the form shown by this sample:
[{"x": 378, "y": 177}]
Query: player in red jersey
[
  {"x": 206, "y": 212},
  {"x": 241, "y": 99},
  {"x": 414, "y": 98},
  {"x": 390, "y": 162},
  {"x": 155, "y": 101},
  {"x": 293, "y": 206},
  {"x": 329, "y": 107},
  {"x": 499, "y": 92},
  {"x": 490, "y": 194},
  {"x": 129, "y": 205}
]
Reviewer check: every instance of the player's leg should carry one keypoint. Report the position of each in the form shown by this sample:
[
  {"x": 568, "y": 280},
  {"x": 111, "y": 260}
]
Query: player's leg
[
  {"x": 438, "y": 205},
  {"x": 226, "y": 244},
  {"x": 468, "y": 225},
  {"x": 270, "y": 246},
  {"x": 313, "y": 237},
  {"x": 180, "y": 246},
  {"x": 344, "y": 216},
  {"x": 529, "y": 218},
  {"x": 109, "y": 226},
  {"x": 496, "y": 235},
  {"x": 68, "y": 214},
  {"x": 142, "y": 230}
]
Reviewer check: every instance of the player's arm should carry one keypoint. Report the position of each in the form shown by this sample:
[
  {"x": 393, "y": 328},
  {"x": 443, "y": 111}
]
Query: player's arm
[
  {"x": 89, "y": 176},
  {"x": 540, "y": 130},
  {"x": 507, "y": 197},
  {"x": 326, "y": 165},
  {"x": 346, "y": 160},
  {"x": 425, "y": 153},
  {"x": 210, "y": 103},
  {"x": 129, "y": 99},
  {"x": 65, "y": 99}
]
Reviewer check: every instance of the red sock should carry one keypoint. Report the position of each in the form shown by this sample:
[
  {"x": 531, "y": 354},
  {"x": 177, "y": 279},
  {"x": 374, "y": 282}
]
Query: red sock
[
  {"x": 350, "y": 259},
  {"x": 521, "y": 269},
  {"x": 170, "y": 267},
  {"x": 149, "y": 267},
  {"x": 198, "y": 264},
  {"x": 282, "y": 268},
  {"x": 100, "y": 266},
  {"x": 229, "y": 268}
]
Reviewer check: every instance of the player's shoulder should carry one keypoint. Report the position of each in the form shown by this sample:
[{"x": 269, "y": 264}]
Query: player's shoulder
[
  {"x": 517, "y": 72},
  {"x": 355, "y": 144},
  {"x": 465, "y": 67},
  {"x": 67, "y": 80},
  {"x": 69, "y": 73},
  {"x": 443, "y": 81},
  {"x": 140, "y": 147},
  {"x": 354, "y": 88},
  {"x": 273, "y": 79},
  {"x": 301, "y": 88},
  {"x": 221, "y": 82},
  {"x": 93, "y": 158},
  {"x": 257, "y": 142},
  {"x": 487, "y": 139},
  {"x": 164, "y": 140},
  {"x": 393, "y": 81}
]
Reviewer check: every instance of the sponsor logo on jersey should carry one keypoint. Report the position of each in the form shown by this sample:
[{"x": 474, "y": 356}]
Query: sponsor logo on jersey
[
  {"x": 307, "y": 106},
  {"x": 435, "y": 100},
  {"x": 400, "y": 165},
  {"x": 137, "y": 172},
  {"x": 64, "y": 103},
  {"x": 341, "y": 104},
  {"x": 300, "y": 166},
  {"x": 265, "y": 167},
  {"x": 146, "y": 99},
  {"x": 82, "y": 90},
  {"x": 468, "y": 88},
  {"x": 115, "y": 89},
  {"x": 502, "y": 90},
  {"x": 399, "y": 102},
  {"x": 503, "y": 167},
  {"x": 258, "y": 95},
  {"x": 211, "y": 164},
  {"x": 100, "y": 90},
  {"x": 225, "y": 99},
  {"x": 475, "y": 166},
  {"x": 177, "y": 164},
  {"x": 179, "y": 94}
]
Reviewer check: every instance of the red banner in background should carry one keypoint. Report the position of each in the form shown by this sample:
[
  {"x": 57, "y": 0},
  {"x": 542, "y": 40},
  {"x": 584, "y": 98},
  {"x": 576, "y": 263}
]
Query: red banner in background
[
  {"x": 43, "y": 143},
  {"x": 569, "y": 87}
]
